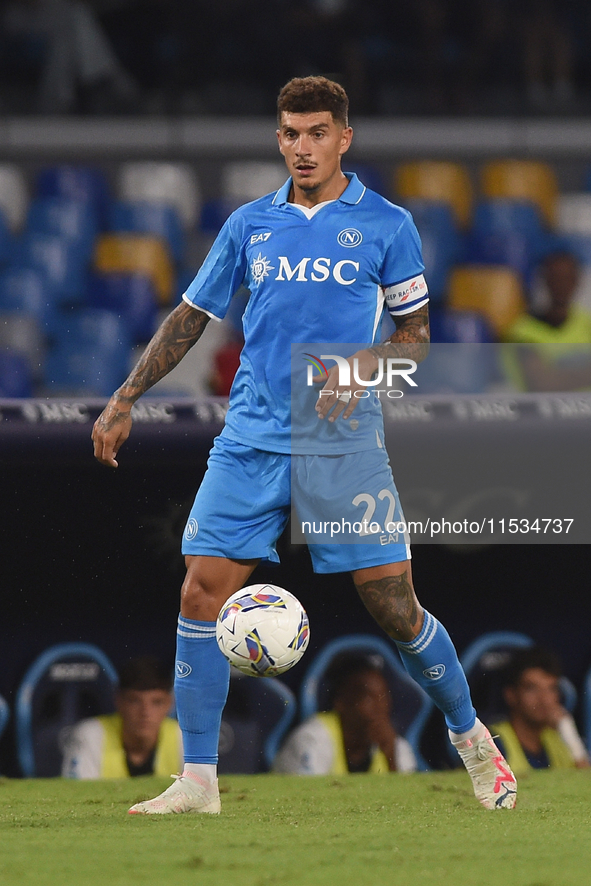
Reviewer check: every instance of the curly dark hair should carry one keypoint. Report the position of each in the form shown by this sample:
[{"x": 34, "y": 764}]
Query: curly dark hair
[
  {"x": 530, "y": 657},
  {"x": 308, "y": 95},
  {"x": 145, "y": 672}
]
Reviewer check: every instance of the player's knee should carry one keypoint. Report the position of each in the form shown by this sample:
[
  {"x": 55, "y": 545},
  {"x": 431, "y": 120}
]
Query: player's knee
[{"x": 198, "y": 591}]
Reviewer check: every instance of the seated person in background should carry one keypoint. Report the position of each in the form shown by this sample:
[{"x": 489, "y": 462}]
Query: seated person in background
[
  {"x": 140, "y": 739},
  {"x": 355, "y": 736},
  {"x": 553, "y": 362},
  {"x": 539, "y": 733}
]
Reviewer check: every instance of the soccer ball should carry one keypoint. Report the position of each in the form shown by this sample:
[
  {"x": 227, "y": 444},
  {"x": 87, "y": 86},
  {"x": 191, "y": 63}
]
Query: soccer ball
[{"x": 262, "y": 630}]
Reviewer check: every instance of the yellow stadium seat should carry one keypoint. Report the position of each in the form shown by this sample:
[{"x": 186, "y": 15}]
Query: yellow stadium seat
[
  {"x": 492, "y": 290},
  {"x": 133, "y": 253},
  {"x": 437, "y": 180},
  {"x": 523, "y": 180}
]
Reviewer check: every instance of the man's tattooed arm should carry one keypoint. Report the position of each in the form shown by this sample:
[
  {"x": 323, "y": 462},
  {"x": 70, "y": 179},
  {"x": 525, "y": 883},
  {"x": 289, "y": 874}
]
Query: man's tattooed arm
[
  {"x": 177, "y": 335},
  {"x": 179, "y": 332},
  {"x": 411, "y": 339}
]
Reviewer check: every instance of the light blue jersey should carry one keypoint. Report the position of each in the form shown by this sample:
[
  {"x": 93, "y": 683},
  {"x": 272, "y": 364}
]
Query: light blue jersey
[{"x": 314, "y": 276}]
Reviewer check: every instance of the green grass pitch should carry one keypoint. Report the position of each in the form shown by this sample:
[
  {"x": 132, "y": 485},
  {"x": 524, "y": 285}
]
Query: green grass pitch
[{"x": 357, "y": 830}]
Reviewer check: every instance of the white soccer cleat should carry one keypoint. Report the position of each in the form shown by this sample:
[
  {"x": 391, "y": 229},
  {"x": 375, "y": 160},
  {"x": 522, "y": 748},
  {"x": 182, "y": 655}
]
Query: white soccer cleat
[
  {"x": 494, "y": 784},
  {"x": 188, "y": 793}
]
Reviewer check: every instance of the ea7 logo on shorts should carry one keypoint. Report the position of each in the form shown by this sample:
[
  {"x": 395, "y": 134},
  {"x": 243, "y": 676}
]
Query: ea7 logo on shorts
[
  {"x": 260, "y": 238},
  {"x": 191, "y": 529},
  {"x": 350, "y": 237},
  {"x": 434, "y": 673},
  {"x": 182, "y": 669}
]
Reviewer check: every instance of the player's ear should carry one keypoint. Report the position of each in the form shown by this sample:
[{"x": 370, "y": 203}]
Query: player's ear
[{"x": 346, "y": 139}]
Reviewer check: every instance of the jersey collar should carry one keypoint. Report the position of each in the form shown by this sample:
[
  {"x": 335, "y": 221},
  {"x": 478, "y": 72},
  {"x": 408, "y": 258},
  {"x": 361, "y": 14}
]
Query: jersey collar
[{"x": 352, "y": 193}]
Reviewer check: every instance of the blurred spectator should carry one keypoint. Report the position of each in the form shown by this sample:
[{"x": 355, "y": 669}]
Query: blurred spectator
[
  {"x": 355, "y": 736},
  {"x": 559, "y": 356},
  {"x": 78, "y": 61},
  {"x": 539, "y": 732},
  {"x": 140, "y": 739}
]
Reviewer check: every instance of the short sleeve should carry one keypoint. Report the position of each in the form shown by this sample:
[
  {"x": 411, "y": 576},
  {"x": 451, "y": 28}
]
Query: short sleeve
[
  {"x": 403, "y": 280},
  {"x": 221, "y": 274}
]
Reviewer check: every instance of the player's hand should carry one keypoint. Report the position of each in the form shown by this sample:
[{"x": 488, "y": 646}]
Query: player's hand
[
  {"x": 334, "y": 400},
  {"x": 110, "y": 431},
  {"x": 380, "y": 732}
]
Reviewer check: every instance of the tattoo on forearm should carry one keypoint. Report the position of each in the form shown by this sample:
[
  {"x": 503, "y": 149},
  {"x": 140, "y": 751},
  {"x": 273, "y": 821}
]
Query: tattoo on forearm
[
  {"x": 179, "y": 332},
  {"x": 393, "y": 604},
  {"x": 411, "y": 339}
]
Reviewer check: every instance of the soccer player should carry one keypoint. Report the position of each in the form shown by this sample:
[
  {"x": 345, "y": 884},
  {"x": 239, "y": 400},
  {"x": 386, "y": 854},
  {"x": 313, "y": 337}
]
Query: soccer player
[{"x": 320, "y": 258}]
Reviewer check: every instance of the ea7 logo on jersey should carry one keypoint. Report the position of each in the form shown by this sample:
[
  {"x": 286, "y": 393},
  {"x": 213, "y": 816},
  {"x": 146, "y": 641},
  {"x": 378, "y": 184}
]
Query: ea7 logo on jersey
[
  {"x": 260, "y": 238},
  {"x": 350, "y": 237}
]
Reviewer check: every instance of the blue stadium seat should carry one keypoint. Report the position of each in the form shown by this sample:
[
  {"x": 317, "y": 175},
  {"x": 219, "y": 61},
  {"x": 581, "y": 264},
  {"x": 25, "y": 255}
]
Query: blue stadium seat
[
  {"x": 87, "y": 184},
  {"x": 214, "y": 214},
  {"x": 463, "y": 358},
  {"x": 131, "y": 296},
  {"x": 74, "y": 220},
  {"x": 90, "y": 355},
  {"x": 257, "y": 715},
  {"x": 4, "y": 715},
  {"x": 442, "y": 242},
  {"x": 59, "y": 260},
  {"x": 67, "y": 683},
  {"x": 146, "y": 217},
  {"x": 25, "y": 290},
  {"x": 370, "y": 175},
  {"x": 517, "y": 216},
  {"x": 578, "y": 244},
  {"x": 514, "y": 249},
  {"x": 6, "y": 240},
  {"x": 466, "y": 327},
  {"x": 15, "y": 375},
  {"x": 412, "y": 706}
]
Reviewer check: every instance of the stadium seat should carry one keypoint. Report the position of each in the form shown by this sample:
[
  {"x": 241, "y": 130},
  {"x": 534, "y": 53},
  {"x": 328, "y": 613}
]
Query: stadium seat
[
  {"x": 85, "y": 184},
  {"x": 6, "y": 241},
  {"x": 257, "y": 715},
  {"x": 60, "y": 261},
  {"x": 148, "y": 217},
  {"x": 523, "y": 180},
  {"x": 574, "y": 214},
  {"x": 4, "y": 715},
  {"x": 412, "y": 706},
  {"x": 73, "y": 220},
  {"x": 91, "y": 354},
  {"x": 67, "y": 683},
  {"x": 172, "y": 183},
  {"x": 215, "y": 213},
  {"x": 246, "y": 180},
  {"x": 509, "y": 248},
  {"x": 15, "y": 375},
  {"x": 14, "y": 197},
  {"x": 458, "y": 327},
  {"x": 483, "y": 662},
  {"x": 495, "y": 292},
  {"x": 134, "y": 253},
  {"x": 22, "y": 334},
  {"x": 26, "y": 291},
  {"x": 131, "y": 296},
  {"x": 442, "y": 243},
  {"x": 499, "y": 216},
  {"x": 370, "y": 175},
  {"x": 437, "y": 180}
]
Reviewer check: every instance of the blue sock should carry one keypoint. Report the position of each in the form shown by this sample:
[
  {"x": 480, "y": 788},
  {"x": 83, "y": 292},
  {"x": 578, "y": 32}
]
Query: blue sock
[
  {"x": 202, "y": 677},
  {"x": 432, "y": 661}
]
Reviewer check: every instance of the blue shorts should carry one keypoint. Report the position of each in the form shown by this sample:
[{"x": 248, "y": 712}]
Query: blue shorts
[{"x": 246, "y": 496}]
